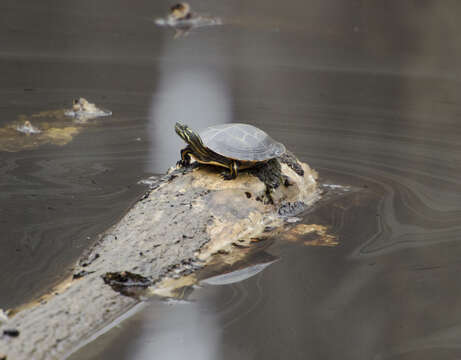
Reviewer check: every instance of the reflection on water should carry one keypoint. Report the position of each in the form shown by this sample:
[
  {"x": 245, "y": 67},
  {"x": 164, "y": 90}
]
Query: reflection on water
[
  {"x": 237, "y": 275},
  {"x": 182, "y": 331},
  {"x": 187, "y": 333},
  {"x": 365, "y": 92},
  {"x": 196, "y": 95},
  {"x": 193, "y": 96}
]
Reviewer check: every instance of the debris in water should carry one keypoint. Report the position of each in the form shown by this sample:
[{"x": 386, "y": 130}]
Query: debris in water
[
  {"x": 57, "y": 127},
  {"x": 83, "y": 110},
  {"x": 183, "y": 19},
  {"x": 27, "y": 128}
]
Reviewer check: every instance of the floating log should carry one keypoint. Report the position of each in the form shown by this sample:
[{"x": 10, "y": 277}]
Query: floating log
[{"x": 175, "y": 228}]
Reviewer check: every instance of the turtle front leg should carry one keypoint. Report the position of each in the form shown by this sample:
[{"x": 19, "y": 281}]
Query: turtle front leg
[
  {"x": 234, "y": 169},
  {"x": 185, "y": 157}
]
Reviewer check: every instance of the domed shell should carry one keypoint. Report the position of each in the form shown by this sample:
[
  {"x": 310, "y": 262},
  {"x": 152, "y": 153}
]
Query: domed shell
[{"x": 241, "y": 142}]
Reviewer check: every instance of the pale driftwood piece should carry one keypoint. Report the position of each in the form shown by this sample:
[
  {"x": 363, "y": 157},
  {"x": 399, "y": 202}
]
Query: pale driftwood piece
[{"x": 186, "y": 217}]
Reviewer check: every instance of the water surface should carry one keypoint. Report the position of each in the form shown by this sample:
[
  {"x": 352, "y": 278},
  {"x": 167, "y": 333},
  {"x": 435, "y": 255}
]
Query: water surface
[{"x": 366, "y": 93}]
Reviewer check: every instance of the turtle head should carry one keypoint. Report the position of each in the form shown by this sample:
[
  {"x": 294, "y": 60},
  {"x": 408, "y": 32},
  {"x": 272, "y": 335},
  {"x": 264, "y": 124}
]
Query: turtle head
[
  {"x": 187, "y": 134},
  {"x": 183, "y": 131}
]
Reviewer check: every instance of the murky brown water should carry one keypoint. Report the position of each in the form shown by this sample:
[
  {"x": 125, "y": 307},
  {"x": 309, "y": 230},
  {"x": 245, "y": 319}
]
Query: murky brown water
[{"x": 366, "y": 93}]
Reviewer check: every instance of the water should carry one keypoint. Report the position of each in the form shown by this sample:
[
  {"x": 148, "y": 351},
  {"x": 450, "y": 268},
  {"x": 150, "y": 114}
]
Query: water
[{"x": 366, "y": 93}]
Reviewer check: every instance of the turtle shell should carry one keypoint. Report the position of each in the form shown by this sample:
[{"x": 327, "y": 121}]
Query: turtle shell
[{"x": 241, "y": 142}]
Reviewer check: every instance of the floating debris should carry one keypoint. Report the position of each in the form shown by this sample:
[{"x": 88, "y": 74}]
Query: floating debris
[
  {"x": 27, "y": 128},
  {"x": 83, "y": 110},
  {"x": 183, "y": 19},
  {"x": 57, "y": 127}
]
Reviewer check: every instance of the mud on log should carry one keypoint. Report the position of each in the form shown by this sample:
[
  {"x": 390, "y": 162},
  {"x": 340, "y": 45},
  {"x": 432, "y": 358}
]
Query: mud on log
[{"x": 185, "y": 218}]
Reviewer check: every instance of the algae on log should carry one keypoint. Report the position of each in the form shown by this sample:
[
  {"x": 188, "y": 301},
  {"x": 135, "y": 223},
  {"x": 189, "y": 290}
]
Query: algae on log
[{"x": 176, "y": 227}]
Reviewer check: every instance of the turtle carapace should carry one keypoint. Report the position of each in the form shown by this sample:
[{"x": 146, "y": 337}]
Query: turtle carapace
[{"x": 233, "y": 146}]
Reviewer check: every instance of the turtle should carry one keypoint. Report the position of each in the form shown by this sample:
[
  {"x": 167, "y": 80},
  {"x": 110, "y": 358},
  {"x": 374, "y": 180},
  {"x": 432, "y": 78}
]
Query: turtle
[{"x": 234, "y": 146}]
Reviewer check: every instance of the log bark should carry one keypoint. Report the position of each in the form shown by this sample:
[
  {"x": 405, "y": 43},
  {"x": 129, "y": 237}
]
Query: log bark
[{"x": 175, "y": 228}]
